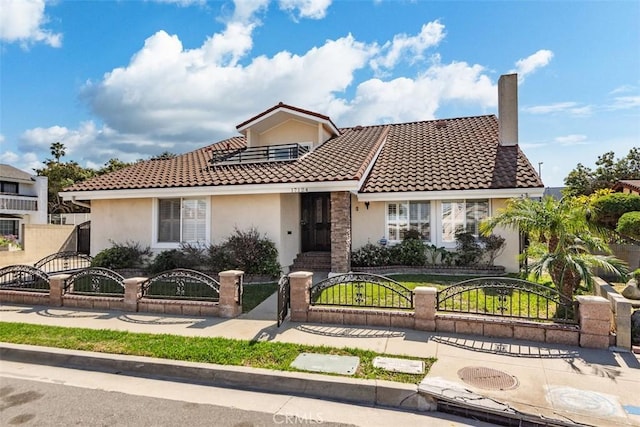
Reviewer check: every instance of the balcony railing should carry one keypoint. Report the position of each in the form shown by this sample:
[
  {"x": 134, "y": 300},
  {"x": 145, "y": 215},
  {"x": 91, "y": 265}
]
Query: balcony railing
[
  {"x": 18, "y": 203},
  {"x": 270, "y": 153}
]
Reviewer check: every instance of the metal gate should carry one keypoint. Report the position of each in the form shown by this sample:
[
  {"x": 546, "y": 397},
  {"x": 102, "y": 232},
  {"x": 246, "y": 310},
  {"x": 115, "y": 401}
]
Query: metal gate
[
  {"x": 83, "y": 237},
  {"x": 284, "y": 299}
]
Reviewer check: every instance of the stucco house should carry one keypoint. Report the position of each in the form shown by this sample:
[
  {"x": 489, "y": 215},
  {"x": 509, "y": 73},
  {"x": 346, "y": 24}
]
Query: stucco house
[
  {"x": 313, "y": 187},
  {"x": 23, "y": 200}
]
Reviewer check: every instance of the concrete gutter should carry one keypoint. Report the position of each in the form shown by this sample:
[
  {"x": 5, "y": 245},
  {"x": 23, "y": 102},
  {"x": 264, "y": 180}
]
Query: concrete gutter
[{"x": 359, "y": 391}]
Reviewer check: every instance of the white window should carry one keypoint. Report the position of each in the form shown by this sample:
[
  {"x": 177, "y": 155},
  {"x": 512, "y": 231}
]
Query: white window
[
  {"x": 405, "y": 216},
  {"x": 462, "y": 215},
  {"x": 182, "y": 220}
]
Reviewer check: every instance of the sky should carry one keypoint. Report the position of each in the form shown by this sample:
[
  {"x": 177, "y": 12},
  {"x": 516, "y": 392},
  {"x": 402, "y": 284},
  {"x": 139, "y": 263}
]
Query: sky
[{"x": 129, "y": 79}]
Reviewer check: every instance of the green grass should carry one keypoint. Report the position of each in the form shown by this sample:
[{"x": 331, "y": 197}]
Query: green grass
[
  {"x": 254, "y": 294},
  {"x": 223, "y": 351}
]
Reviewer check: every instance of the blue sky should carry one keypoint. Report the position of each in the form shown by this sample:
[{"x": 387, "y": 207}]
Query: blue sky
[{"x": 129, "y": 79}]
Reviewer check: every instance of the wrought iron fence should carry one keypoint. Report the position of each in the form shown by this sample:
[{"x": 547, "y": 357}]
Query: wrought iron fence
[
  {"x": 95, "y": 281},
  {"x": 284, "y": 298},
  {"x": 507, "y": 297},
  {"x": 61, "y": 262},
  {"x": 259, "y": 154},
  {"x": 361, "y": 290},
  {"x": 184, "y": 284},
  {"x": 24, "y": 278}
]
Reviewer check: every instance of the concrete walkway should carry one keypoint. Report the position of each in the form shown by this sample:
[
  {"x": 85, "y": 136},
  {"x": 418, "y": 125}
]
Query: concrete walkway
[{"x": 570, "y": 384}]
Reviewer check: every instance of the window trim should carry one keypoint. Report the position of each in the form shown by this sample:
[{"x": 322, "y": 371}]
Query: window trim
[
  {"x": 155, "y": 222},
  {"x": 452, "y": 243},
  {"x": 408, "y": 203}
]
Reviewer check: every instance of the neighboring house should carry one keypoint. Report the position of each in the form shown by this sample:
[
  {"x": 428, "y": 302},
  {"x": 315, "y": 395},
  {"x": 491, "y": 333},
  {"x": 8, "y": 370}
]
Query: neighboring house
[
  {"x": 23, "y": 200},
  {"x": 555, "y": 192},
  {"x": 311, "y": 186},
  {"x": 628, "y": 186}
]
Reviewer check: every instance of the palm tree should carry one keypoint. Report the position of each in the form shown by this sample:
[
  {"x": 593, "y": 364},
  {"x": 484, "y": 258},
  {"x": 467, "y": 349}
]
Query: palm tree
[
  {"x": 58, "y": 150},
  {"x": 572, "y": 245}
]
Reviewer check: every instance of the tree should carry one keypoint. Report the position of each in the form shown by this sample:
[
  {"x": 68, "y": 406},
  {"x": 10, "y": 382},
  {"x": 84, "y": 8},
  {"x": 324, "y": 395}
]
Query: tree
[
  {"x": 58, "y": 150},
  {"x": 62, "y": 175},
  {"x": 112, "y": 165},
  {"x": 584, "y": 181},
  {"x": 572, "y": 246}
]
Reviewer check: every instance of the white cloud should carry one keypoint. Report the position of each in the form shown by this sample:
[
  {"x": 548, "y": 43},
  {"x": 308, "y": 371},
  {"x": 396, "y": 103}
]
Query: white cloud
[
  {"x": 571, "y": 139},
  {"x": 27, "y": 162},
  {"x": 311, "y": 9},
  {"x": 531, "y": 63},
  {"x": 623, "y": 89},
  {"x": 22, "y": 21},
  {"x": 405, "y": 46},
  {"x": 624, "y": 103},
  {"x": 572, "y": 108},
  {"x": 183, "y": 3}
]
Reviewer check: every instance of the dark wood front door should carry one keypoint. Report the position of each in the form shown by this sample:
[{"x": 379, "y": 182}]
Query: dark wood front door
[{"x": 316, "y": 222}]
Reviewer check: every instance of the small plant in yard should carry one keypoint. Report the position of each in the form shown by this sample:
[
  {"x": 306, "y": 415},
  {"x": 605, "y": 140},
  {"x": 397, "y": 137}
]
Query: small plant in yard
[
  {"x": 9, "y": 240},
  {"x": 126, "y": 255}
]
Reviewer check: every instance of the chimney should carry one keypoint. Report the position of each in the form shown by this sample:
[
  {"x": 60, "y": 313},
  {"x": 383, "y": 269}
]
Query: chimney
[{"x": 508, "y": 109}]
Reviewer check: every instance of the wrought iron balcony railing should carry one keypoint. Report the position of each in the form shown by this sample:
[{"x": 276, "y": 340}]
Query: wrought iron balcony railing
[
  {"x": 13, "y": 203},
  {"x": 270, "y": 153}
]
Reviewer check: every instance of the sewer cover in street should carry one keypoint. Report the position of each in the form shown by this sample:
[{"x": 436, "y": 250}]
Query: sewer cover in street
[
  {"x": 393, "y": 364},
  {"x": 328, "y": 363},
  {"x": 487, "y": 378}
]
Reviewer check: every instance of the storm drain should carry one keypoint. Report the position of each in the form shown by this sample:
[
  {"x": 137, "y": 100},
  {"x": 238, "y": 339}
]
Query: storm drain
[{"x": 487, "y": 378}]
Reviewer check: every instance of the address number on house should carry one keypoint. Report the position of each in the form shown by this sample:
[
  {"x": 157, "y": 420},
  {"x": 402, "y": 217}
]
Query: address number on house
[{"x": 300, "y": 190}]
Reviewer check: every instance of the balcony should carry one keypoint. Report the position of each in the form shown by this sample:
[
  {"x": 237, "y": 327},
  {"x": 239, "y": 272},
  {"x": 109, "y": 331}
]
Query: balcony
[
  {"x": 270, "y": 153},
  {"x": 12, "y": 204}
]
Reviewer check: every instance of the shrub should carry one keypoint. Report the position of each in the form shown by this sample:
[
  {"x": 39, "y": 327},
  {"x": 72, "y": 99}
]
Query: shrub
[
  {"x": 609, "y": 208},
  {"x": 127, "y": 255},
  {"x": 409, "y": 252},
  {"x": 636, "y": 275},
  {"x": 629, "y": 224},
  {"x": 247, "y": 251},
  {"x": 370, "y": 255},
  {"x": 173, "y": 258},
  {"x": 493, "y": 246},
  {"x": 468, "y": 249}
]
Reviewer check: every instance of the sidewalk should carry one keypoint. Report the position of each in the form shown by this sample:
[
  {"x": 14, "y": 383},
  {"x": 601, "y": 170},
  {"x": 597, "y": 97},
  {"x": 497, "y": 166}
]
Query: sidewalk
[{"x": 572, "y": 384}]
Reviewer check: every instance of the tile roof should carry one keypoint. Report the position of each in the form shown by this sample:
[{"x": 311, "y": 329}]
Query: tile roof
[
  {"x": 421, "y": 156},
  {"x": 452, "y": 154},
  {"x": 629, "y": 183}
]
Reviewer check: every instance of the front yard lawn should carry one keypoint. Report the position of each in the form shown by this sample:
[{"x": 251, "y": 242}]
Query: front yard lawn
[{"x": 222, "y": 351}]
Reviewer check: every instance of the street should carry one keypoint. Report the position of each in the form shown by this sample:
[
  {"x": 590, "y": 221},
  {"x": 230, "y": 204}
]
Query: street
[{"x": 36, "y": 395}]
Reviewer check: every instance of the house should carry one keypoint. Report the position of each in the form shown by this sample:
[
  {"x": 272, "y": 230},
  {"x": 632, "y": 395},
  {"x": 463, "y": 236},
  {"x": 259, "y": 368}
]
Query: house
[
  {"x": 313, "y": 187},
  {"x": 23, "y": 200},
  {"x": 627, "y": 186}
]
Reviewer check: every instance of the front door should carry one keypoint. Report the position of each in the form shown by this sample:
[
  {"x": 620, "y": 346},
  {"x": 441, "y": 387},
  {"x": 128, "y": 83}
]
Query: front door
[{"x": 316, "y": 222}]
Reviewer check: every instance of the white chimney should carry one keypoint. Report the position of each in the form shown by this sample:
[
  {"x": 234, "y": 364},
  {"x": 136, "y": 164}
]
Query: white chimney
[{"x": 508, "y": 109}]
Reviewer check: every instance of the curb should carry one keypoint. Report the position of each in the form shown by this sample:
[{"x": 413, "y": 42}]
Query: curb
[{"x": 359, "y": 391}]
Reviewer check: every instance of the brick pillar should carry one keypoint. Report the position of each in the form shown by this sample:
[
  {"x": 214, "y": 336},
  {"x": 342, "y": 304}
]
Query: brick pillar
[
  {"x": 300, "y": 283},
  {"x": 622, "y": 315},
  {"x": 230, "y": 288},
  {"x": 424, "y": 301},
  {"x": 132, "y": 292},
  {"x": 595, "y": 321},
  {"x": 341, "y": 232},
  {"x": 56, "y": 289}
]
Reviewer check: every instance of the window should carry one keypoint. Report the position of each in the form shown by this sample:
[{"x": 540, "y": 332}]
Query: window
[
  {"x": 182, "y": 220},
  {"x": 405, "y": 216},
  {"x": 9, "y": 227},
  {"x": 8, "y": 187},
  {"x": 461, "y": 215}
]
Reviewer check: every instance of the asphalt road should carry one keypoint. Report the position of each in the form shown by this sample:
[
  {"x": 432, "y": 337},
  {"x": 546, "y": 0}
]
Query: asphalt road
[{"x": 36, "y": 395}]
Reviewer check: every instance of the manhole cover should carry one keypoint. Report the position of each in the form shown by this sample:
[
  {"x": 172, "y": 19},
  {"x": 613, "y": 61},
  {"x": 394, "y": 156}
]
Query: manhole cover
[{"x": 487, "y": 378}]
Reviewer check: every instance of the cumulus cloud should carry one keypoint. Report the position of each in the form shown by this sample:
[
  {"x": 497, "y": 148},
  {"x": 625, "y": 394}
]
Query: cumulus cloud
[
  {"x": 571, "y": 139},
  {"x": 572, "y": 108},
  {"x": 22, "y": 21},
  {"x": 27, "y": 162},
  {"x": 310, "y": 9},
  {"x": 530, "y": 64},
  {"x": 413, "y": 47}
]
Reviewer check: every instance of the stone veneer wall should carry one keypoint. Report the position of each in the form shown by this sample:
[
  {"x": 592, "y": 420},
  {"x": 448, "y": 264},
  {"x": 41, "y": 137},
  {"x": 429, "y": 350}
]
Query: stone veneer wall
[{"x": 340, "y": 232}]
